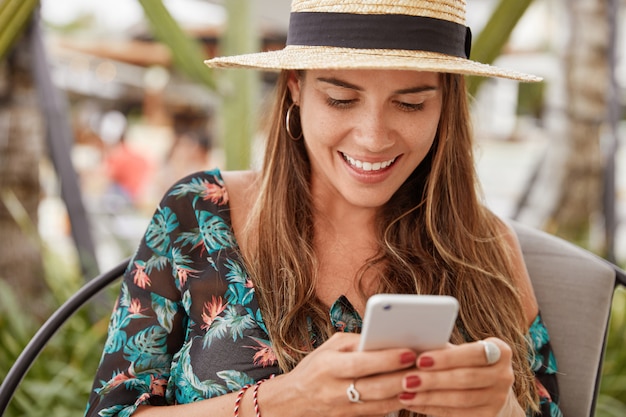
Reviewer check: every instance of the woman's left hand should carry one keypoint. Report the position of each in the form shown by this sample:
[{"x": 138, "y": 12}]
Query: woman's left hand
[{"x": 459, "y": 381}]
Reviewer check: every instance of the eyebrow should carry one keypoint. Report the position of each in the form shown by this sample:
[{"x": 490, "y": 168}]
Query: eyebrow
[{"x": 344, "y": 84}]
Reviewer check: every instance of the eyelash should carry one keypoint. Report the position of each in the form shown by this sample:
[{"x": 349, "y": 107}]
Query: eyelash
[
  {"x": 339, "y": 104},
  {"x": 410, "y": 107},
  {"x": 344, "y": 104}
]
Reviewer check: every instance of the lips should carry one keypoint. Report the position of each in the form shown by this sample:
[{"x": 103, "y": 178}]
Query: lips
[{"x": 367, "y": 166}]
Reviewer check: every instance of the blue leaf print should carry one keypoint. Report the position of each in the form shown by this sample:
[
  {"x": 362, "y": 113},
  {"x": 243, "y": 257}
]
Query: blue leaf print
[
  {"x": 115, "y": 341},
  {"x": 156, "y": 261},
  {"x": 162, "y": 224},
  {"x": 237, "y": 322},
  {"x": 116, "y": 410},
  {"x": 344, "y": 316},
  {"x": 218, "y": 329},
  {"x": 147, "y": 349},
  {"x": 235, "y": 379},
  {"x": 215, "y": 233},
  {"x": 116, "y": 336},
  {"x": 128, "y": 411},
  {"x": 193, "y": 238},
  {"x": 186, "y": 300},
  {"x": 139, "y": 383},
  {"x": 551, "y": 366},
  {"x": 165, "y": 310},
  {"x": 258, "y": 318},
  {"x": 179, "y": 259},
  {"x": 555, "y": 411},
  {"x": 197, "y": 187},
  {"x": 538, "y": 334},
  {"x": 189, "y": 387},
  {"x": 240, "y": 289},
  {"x": 124, "y": 299}
]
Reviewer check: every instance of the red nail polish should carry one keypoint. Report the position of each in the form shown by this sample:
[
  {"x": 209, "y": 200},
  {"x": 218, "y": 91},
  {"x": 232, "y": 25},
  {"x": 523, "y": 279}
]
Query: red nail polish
[
  {"x": 425, "y": 362},
  {"x": 406, "y": 396},
  {"x": 413, "y": 381},
  {"x": 408, "y": 357}
]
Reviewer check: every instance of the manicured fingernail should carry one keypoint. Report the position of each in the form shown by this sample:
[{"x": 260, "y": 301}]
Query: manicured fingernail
[
  {"x": 425, "y": 362},
  {"x": 406, "y": 396},
  {"x": 408, "y": 357},
  {"x": 412, "y": 381}
]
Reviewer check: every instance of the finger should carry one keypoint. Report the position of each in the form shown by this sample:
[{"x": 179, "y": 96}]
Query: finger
[
  {"x": 448, "y": 398},
  {"x": 450, "y": 412},
  {"x": 457, "y": 379},
  {"x": 345, "y": 362},
  {"x": 466, "y": 355},
  {"x": 379, "y": 387}
]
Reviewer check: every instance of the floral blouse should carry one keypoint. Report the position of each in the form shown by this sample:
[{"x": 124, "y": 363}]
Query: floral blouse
[{"x": 187, "y": 324}]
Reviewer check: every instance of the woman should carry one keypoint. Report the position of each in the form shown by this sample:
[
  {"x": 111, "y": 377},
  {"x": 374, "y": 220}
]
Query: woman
[{"x": 259, "y": 279}]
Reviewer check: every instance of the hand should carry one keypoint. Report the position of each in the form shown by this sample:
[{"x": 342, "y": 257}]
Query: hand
[
  {"x": 458, "y": 381},
  {"x": 318, "y": 384}
]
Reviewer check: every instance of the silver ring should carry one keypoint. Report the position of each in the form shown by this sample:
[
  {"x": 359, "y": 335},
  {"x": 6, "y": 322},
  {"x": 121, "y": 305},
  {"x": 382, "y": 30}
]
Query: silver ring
[
  {"x": 354, "y": 396},
  {"x": 492, "y": 352}
]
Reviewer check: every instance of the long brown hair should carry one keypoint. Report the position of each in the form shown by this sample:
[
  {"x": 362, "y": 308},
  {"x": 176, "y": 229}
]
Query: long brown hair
[{"x": 434, "y": 237}]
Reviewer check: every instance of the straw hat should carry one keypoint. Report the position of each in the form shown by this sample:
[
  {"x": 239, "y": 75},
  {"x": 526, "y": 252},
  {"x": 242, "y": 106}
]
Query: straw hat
[{"x": 420, "y": 35}]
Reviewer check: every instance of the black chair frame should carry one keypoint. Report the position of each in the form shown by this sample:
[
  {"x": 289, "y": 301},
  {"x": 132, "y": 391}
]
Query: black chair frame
[{"x": 50, "y": 327}]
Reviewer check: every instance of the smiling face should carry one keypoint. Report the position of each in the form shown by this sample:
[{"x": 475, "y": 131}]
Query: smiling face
[{"x": 365, "y": 130}]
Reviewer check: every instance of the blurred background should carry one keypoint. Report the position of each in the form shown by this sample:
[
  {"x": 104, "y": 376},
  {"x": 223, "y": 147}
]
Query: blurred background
[{"x": 103, "y": 105}]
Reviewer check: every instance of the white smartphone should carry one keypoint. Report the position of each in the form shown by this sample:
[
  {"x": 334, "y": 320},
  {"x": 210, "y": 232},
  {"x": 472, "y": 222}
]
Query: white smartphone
[{"x": 418, "y": 322}]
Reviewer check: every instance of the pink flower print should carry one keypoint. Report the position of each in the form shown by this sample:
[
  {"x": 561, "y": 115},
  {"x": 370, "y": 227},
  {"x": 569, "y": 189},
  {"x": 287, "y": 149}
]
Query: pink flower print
[
  {"x": 117, "y": 380},
  {"x": 215, "y": 193},
  {"x": 542, "y": 391},
  {"x": 143, "y": 398},
  {"x": 211, "y": 310},
  {"x": 157, "y": 386},
  {"x": 140, "y": 278},
  {"x": 184, "y": 274},
  {"x": 265, "y": 355},
  {"x": 135, "y": 306}
]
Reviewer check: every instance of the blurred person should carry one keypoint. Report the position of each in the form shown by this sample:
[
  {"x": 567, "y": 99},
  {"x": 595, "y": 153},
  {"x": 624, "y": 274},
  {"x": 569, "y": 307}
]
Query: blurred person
[
  {"x": 246, "y": 293},
  {"x": 127, "y": 169},
  {"x": 190, "y": 152}
]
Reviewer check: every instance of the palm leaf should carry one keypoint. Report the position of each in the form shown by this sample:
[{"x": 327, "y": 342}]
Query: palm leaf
[
  {"x": 496, "y": 33},
  {"x": 14, "y": 15},
  {"x": 186, "y": 53}
]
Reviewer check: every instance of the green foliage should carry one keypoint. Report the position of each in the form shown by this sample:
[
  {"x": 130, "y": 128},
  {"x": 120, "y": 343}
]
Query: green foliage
[
  {"x": 186, "y": 52},
  {"x": 14, "y": 15},
  {"x": 59, "y": 382},
  {"x": 612, "y": 399},
  {"x": 489, "y": 43}
]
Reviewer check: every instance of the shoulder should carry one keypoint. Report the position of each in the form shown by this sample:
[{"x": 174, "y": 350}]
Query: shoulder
[
  {"x": 239, "y": 181},
  {"x": 242, "y": 190},
  {"x": 521, "y": 278}
]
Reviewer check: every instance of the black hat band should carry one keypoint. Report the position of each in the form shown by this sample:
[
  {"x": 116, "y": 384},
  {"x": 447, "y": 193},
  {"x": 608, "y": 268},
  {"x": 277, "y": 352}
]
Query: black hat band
[{"x": 379, "y": 31}]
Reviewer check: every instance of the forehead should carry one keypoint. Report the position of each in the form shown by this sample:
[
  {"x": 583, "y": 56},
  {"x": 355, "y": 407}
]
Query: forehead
[{"x": 390, "y": 79}]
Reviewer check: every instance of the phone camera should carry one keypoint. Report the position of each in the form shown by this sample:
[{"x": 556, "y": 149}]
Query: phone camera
[{"x": 387, "y": 307}]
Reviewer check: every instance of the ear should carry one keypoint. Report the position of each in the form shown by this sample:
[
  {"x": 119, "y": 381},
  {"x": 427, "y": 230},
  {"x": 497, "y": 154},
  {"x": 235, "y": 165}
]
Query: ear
[{"x": 293, "y": 83}]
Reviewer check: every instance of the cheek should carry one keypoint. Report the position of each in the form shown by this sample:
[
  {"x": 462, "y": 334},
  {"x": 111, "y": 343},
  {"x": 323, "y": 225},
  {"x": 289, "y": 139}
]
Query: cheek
[
  {"x": 319, "y": 127},
  {"x": 423, "y": 134}
]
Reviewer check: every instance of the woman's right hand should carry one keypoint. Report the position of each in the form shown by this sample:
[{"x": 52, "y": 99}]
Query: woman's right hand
[{"x": 318, "y": 384}]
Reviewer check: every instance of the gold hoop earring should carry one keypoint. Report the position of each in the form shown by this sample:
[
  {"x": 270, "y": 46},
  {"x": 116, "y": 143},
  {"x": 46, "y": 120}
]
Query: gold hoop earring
[{"x": 288, "y": 123}]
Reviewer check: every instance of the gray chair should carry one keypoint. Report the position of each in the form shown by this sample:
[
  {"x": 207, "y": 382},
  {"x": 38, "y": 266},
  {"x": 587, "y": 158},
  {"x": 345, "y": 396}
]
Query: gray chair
[{"x": 574, "y": 290}]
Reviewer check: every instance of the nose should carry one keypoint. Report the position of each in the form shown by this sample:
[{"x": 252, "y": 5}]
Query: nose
[{"x": 374, "y": 132}]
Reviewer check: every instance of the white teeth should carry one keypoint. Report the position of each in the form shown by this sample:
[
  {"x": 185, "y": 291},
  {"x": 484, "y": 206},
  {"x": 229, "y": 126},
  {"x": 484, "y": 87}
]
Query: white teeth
[{"x": 368, "y": 166}]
